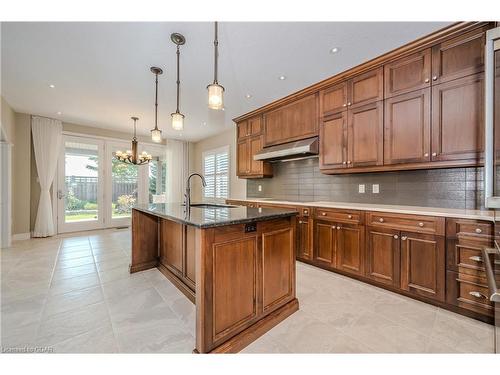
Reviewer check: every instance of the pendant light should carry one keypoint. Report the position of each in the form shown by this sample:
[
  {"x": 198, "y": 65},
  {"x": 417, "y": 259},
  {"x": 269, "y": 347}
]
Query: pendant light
[
  {"x": 215, "y": 91},
  {"x": 132, "y": 156},
  {"x": 156, "y": 133},
  {"x": 177, "y": 117}
]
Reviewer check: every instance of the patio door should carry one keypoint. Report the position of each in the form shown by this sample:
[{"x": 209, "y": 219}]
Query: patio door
[{"x": 80, "y": 185}]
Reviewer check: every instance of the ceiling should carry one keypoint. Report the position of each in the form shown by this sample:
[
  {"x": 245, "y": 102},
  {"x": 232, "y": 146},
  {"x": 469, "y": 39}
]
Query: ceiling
[{"x": 101, "y": 70}]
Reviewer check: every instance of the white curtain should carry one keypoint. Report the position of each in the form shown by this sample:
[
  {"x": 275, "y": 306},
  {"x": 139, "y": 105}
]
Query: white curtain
[
  {"x": 47, "y": 138},
  {"x": 177, "y": 169}
]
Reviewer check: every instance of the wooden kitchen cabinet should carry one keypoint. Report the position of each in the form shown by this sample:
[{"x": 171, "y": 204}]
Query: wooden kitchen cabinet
[
  {"x": 294, "y": 121},
  {"x": 304, "y": 243},
  {"x": 332, "y": 142},
  {"x": 247, "y": 167},
  {"x": 458, "y": 119},
  {"x": 325, "y": 241},
  {"x": 333, "y": 99},
  {"x": 423, "y": 265},
  {"x": 366, "y": 88},
  {"x": 243, "y": 158},
  {"x": 408, "y": 74},
  {"x": 351, "y": 248},
  {"x": 383, "y": 256},
  {"x": 407, "y": 127},
  {"x": 250, "y": 127}
]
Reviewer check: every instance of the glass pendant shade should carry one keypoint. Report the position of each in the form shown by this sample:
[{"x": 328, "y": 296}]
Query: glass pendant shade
[
  {"x": 215, "y": 96},
  {"x": 177, "y": 121},
  {"x": 156, "y": 135}
]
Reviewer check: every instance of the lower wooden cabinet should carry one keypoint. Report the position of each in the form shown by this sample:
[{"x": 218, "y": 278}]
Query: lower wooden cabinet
[
  {"x": 423, "y": 265},
  {"x": 304, "y": 248},
  {"x": 325, "y": 243},
  {"x": 351, "y": 248},
  {"x": 468, "y": 292},
  {"x": 383, "y": 256}
]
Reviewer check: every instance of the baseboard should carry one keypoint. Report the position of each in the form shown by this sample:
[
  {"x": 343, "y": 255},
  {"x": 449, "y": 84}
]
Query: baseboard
[{"x": 21, "y": 236}]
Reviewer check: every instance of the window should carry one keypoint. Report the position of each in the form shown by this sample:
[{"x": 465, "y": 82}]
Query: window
[{"x": 216, "y": 172}]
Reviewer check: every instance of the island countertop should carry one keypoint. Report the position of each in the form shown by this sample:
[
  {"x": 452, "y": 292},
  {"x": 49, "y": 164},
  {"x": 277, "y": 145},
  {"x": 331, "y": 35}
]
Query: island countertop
[{"x": 209, "y": 217}]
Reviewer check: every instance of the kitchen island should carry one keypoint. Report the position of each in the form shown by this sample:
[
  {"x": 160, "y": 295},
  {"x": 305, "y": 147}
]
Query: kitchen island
[{"x": 237, "y": 264}]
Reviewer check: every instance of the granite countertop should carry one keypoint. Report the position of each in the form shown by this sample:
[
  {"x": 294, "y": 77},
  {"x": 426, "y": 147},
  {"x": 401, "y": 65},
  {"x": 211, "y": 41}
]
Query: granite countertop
[
  {"x": 414, "y": 210},
  {"x": 203, "y": 217}
]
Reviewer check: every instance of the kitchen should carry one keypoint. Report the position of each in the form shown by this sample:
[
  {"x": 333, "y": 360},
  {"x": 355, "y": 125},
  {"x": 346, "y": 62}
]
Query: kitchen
[{"x": 355, "y": 212}]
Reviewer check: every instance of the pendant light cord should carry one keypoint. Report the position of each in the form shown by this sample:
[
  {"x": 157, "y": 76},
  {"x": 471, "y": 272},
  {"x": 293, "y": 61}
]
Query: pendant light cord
[
  {"x": 135, "y": 137},
  {"x": 178, "y": 80},
  {"x": 156, "y": 102},
  {"x": 216, "y": 53}
]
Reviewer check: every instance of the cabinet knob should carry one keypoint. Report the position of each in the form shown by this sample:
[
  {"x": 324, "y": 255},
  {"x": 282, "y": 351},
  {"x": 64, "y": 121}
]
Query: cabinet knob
[
  {"x": 344, "y": 105},
  {"x": 426, "y": 154},
  {"x": 434, "y": 154},
  {"x": 348, "y": 103},
  {"x": 434, "y": 78},
  {"x": 300, "y": 221},
  {"x": 475, "y": 258},
  {"x": 338, "y": 228},
  {"x": 396, "y": 236},
  {"x": 344, "y": 162},
  {"x": 420, "y": 225},
  {"x": 427, "y": 80},
  {"x": 349, "y": 216},
  {"x": 348, "y": 162},
  {"x": 323, "y": 214},
  {"x": 478, "y": 230},
  {"x": 381, "y": 219},
  {"x": 404, "y": 238},
  {"x": 305, "y": 211}
]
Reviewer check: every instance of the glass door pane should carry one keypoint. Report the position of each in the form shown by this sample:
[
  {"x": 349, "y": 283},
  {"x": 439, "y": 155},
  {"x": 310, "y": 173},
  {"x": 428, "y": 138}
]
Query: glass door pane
[
  {"x": 124, "y": 189},
  {"x": 80, "y": 185},
  {"x": 157, "y": 173}
]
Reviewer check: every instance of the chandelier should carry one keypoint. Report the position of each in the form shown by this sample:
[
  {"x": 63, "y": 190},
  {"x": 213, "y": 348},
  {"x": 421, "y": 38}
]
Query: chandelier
[{"x": 131, "y": 156}]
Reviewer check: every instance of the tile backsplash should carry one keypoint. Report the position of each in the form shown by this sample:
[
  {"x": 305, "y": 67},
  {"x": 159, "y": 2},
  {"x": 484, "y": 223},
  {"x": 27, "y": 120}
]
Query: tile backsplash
[{"x": 301, "y": 180}]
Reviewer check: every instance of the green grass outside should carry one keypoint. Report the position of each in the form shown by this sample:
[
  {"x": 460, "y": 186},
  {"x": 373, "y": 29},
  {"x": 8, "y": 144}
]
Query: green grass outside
[{"x": 88, "y": 217}]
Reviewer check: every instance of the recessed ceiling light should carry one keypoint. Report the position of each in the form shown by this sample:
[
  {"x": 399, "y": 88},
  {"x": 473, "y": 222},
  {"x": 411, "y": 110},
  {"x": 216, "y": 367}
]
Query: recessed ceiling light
[
  {"x": 248, "y": 96},
  {"x": 204, "y": 123},
  {"x": 52, "y": 86},
  {"x": 282, "y": 78},
  {"x": 334, "y": 50},
  {"x": 59, "y": 113}
]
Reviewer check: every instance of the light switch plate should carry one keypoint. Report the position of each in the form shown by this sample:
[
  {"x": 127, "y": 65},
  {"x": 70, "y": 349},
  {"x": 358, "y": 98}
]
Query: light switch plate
[
  {"x": 361, "y": 188},
  {"x": 375, "y": 188},
  {"x": 259, "y": 188}
]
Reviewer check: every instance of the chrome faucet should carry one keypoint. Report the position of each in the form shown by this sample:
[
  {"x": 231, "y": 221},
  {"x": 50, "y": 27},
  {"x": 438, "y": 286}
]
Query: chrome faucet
[{"x": 187, "y": 195}]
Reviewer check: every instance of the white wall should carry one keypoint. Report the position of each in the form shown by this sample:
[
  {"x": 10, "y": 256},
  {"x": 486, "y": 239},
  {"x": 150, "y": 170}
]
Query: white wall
[{"x": 237, "y": 186}]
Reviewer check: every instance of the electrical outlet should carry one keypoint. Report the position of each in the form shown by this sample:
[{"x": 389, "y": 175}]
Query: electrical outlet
[
  {"x": 375, "y": 188},
  {"x": 259, "y": 188},
  {"x": 361, "y": 188}
]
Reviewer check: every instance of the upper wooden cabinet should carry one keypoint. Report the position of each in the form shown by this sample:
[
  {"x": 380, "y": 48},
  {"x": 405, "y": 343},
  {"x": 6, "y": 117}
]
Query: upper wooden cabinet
[
  {"x": 250, "y": 127},
  {"x": 457, "y": 119},
  {"x": 458, "y": 57},
  {"x": 294, "y": 121},
  {"x": 357, "y": 91},
  {"x": 408, "y": 74},
  {"x": 247, "y": 167},
  {"x": 333, "y": 145}
]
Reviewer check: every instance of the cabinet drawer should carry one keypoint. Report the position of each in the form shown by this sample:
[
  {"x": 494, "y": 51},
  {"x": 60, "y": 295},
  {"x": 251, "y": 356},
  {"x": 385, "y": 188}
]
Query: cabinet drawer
[
  {"x": 341, "y": 216},
  {"x": 411, "y": 223},
  {"x": 469, "y": 292},
  {"x": 465, "y": 227},
  {"x": 304, "y": 211}
]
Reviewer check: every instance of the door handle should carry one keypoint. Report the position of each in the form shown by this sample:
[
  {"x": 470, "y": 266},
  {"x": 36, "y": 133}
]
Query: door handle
[{"x": 60, "y": 194}]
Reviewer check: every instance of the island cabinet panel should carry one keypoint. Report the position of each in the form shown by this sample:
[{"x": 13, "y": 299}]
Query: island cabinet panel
[
  {"x": 458, "y": 57},
  {"x": 407, "y": 123},
  {"x": 333, "y": 142},
  {"x": 408, "y": 74},
  {"x": 192, "y": 242},
  {"x": 234, "y": 279},
  {"x": 383, "y": 256},
  {"x": 144, "y": 241},
  {"x": 304, "y": 226},
  {"x": 365, "y": 135},
  {"x": 294, "y": 121},
  {"x": 172, "y": 246},
  {"x": 457, "y": 119},
  {"x": 277, "y": 265},
  {"x": 423, "y": 265},
  {"x": 325, "y": 240},
  {"x": 351, "y": 248}
]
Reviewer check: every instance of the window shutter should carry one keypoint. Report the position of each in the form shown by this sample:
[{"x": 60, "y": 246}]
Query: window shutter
[{"x": 216, "y": 171}]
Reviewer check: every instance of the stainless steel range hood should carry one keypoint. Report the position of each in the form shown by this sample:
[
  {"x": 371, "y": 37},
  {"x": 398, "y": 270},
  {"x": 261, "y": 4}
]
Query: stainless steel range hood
[{"x": 292, "y": 150}]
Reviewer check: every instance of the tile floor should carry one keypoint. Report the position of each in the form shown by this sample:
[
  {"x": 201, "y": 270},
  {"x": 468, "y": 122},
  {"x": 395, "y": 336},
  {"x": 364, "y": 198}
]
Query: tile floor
[{"x": 73, "y": 293}]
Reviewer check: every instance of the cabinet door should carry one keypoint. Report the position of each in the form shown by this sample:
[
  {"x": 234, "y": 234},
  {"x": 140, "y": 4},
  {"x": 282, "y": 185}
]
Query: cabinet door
[
  {"x": 423, "y": 265},
  {"x": 325, "y": 243},
  {"x": 351, "y": 248},
  {"x": 458, "y": 57},
  {"x": 383, "y": 256},
  {"x": 256, "y": 167},
  {"x": 407, "y": 128},
  {"x": 408, "y": 74},
  {"x": 255, "y": 125},
  {"x": 366, "y": 88},
  {"x": 332, "y": 141},
  {"x": 192, "y": 242},
  {"x": 242, "y": 129},
  {"x": 171, "y": 246},
  {"x": 365, "y": 135},
  {"x": 457, "y": 119},
  {"x": 303, "y": 239},
  {"x": 243, "y": 161},
  {"x": 333, "y": 99}
]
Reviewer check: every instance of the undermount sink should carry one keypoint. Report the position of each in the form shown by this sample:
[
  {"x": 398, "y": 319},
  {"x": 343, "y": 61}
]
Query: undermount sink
[{"x": 211, "y": 205}]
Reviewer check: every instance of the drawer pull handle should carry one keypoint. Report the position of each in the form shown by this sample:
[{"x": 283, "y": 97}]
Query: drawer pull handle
[
  {"x": 420, "y": 225},
  {"x": 475, "y": 258},
  {"x": 478, "y": 230},
  {"x": 381, "y": 219},
  {"x": 396, "y": 236},
  {"x": 404, "y": 238},
  {"x": 323, "y": 214},
  {"x": 349, "y": 216},
  {"x": 477, "y": 295}
]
